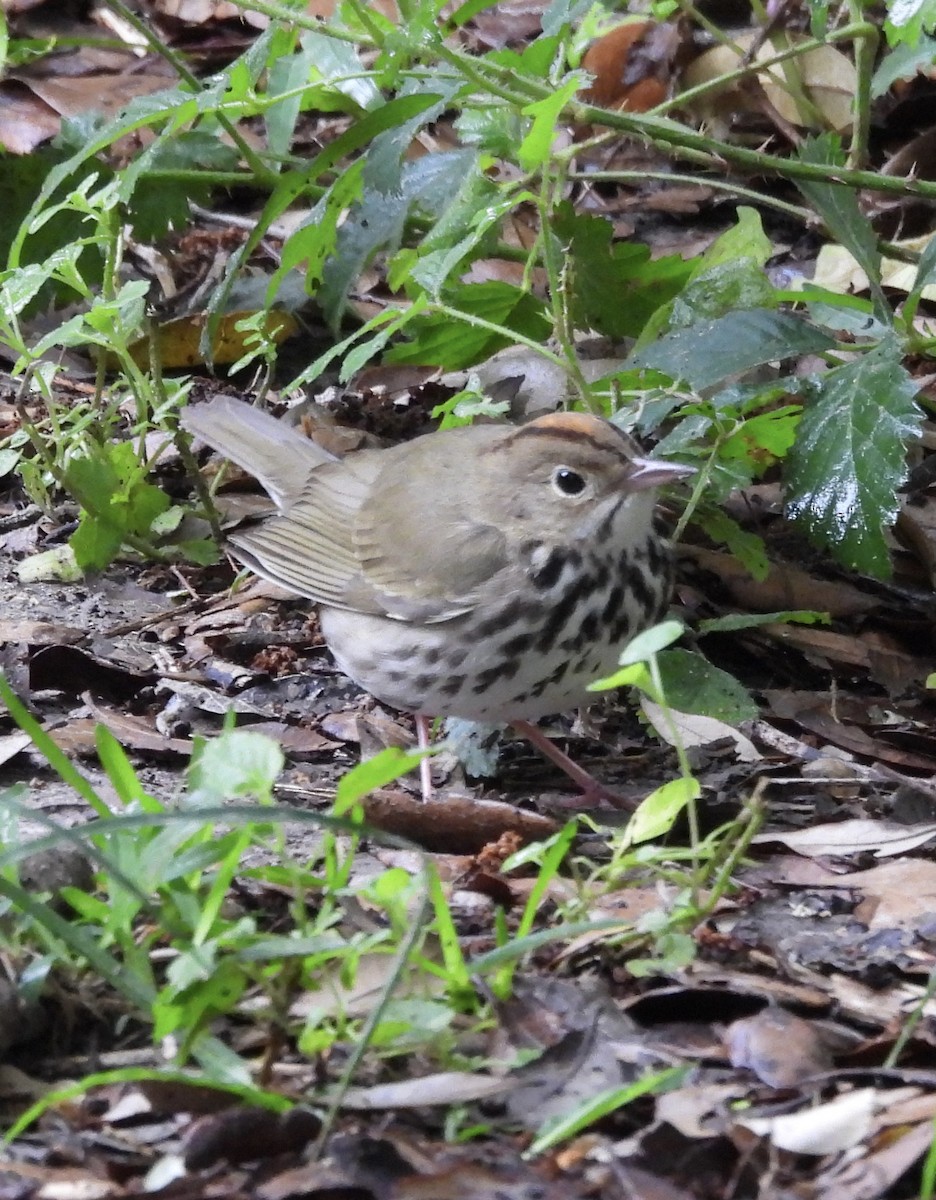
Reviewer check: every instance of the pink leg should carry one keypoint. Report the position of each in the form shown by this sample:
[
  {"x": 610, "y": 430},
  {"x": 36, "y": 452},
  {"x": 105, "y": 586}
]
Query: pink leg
[
  {"x": 422, "y": 741},
  {"x": 588, "y": 783}
]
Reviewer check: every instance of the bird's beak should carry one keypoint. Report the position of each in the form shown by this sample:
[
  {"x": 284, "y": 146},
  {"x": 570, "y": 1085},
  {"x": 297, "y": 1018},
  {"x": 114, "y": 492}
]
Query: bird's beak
[{"x": 648, "y": 473}]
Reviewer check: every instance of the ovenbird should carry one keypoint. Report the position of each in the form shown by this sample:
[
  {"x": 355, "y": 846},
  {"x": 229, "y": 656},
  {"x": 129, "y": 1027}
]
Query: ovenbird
[{"x": 489, "y": 572}]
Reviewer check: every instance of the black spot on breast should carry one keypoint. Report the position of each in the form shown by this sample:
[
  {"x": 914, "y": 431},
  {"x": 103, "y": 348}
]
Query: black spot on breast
[
  {"x": 453, "y": 686},
  {"x": 613, "y": 606},
  {"x": 456, "y": 657},
  {"x": 517, "y": 645},
  {"x": 422, "y": 683},
  {"x": 432, "y": 656},
  {"x": 657, "y": 556},
  {"x": 504, "y": 670},
  {"x": 635, "y": 582},
  {"x": 517, "y": 610},
  {"x": 603, "y": 532},
  {"x": 547, "y": 576},
  {"x": 562, "y": 611},
  {"x": 620, "y": 631},
  {"x": 590, "y": 627}
]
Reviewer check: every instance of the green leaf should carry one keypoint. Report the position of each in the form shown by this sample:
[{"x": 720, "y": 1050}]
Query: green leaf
[
  {"x": 904, "y": 62},
  {"x": 453, "y": 345},
  {"x": 615, "y": 285},
  {"x": 710, "y": 351},
  {"x": 744, "y": 240},
  {"x": 634, "y": 675},
  {"x": 659, "y": 810},
  {"x": 850, "y": 457},
  {"x": 651, "y": 642},
  {"x": 236, "y": 764},
  {"x": 747, "y": 547},
  {"x": 374, "y": 773},
  {"x": 427, "y": 185},
  {"x": 295, "y": 184},
  {"x": 535, "y": 149},
  {"x": 315, "y": 240},
  {"x": 839, "y": 208},
  {"x": 692, "y": 684},
  {"x": 908, "y": 19},
  {"x": 95, "y": 543},
  {"x": 762, "y": 439},
  {"x": 735, "y": 621}
]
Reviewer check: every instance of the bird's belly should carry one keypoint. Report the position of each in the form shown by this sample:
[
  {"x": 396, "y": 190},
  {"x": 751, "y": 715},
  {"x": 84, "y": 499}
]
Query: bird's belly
[{"x": 520, "y": 662}]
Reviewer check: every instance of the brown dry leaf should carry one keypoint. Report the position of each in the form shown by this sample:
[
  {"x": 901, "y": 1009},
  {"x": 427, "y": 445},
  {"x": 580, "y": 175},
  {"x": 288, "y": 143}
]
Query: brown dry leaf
[
  {"x": 691, "y": 729},
  {"x": 814, "y": 90},
  {"x": 177, "y": 341},
  {"x": 137, "y": 733},
  {"x": 325, "y": 9},
  {"x": 509, "y": 22},
  {"x": 825, "y": 75},
  {"x": 842, "y": 838},
  {"x": 873, "y": 1175},
  {"x": 695, "y": 1110},
  {"x": 444, "y": 1087},
  {"x": 25, "y": 120},
  {"x": 838, "y": 270},
  {"x": 632, "y": 66},
  {"x": 106, "y": 92},
  {"x": 200, "y": 12},
  {"x": 839, "y": 720},
  {"x": 916, "y": 525},
  {"x": 786, "y": 586},
  {"x": 900, "y": 895}
]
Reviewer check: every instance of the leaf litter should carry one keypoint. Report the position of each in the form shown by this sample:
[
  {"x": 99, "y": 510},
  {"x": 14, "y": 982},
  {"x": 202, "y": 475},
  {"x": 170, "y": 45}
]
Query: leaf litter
[{"x": 774, "y": 1093}]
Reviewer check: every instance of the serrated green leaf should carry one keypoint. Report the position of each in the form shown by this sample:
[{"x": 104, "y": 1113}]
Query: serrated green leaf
[
  {"x": 237, "y": 764},
  {"x": 615, "y": 285},
  {"x": 839, "y": 208},
  {"x": 904, "y": 62},
  {"x": 747, "y": 547},
  {"x": 762, "y": 439},
  {"x": 908, "y": 19},
  {"x": 316, "y": 239},
  {"x": 850, "y": 457},
  {"x": 724, "y": 288},
  {"x": 710, "y": 351},
  {"x": 692, "y": 684}
]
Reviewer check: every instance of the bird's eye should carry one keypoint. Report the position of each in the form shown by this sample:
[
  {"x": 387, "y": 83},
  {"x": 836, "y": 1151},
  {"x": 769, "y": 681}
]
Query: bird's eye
[{"x": 568, "y": 482}]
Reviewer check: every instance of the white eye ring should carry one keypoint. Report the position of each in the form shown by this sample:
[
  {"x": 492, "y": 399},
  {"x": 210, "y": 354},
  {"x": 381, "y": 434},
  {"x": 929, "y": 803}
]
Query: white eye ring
[{"x": 568, "y": 483}]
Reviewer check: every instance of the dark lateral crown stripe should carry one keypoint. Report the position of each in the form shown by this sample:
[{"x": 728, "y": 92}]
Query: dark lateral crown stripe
[{"x": 567, "y": 435}]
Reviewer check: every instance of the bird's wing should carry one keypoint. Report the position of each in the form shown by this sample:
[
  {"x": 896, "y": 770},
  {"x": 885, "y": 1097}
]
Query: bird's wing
[{"x": 357, "y": 539}]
